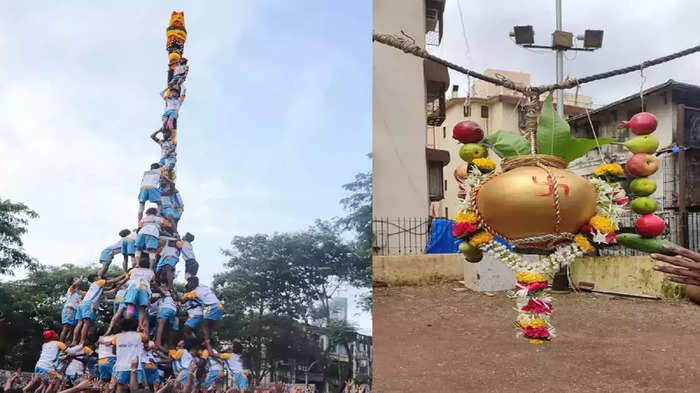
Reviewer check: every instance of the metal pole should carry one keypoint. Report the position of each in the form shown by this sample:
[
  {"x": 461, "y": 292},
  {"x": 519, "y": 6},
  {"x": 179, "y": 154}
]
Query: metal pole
[
  {"x": 560, "y": 283},
  {"x": 560, "y": 64}
]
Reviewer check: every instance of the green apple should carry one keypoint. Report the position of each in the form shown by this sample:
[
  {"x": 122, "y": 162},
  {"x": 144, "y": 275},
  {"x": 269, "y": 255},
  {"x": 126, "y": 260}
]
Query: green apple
[
  {"x": 643, "y": 186},
  {"x": 642, "y": 144},
  {"x": 643, "y": 205},
  {"x": 470, "y": 151},
  {"x": 471, "y": 253}
]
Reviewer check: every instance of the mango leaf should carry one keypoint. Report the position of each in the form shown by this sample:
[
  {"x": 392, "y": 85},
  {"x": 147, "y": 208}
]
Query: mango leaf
[
  {"x": 554, "y": 136},
  {"x": 507, "y": 144}
]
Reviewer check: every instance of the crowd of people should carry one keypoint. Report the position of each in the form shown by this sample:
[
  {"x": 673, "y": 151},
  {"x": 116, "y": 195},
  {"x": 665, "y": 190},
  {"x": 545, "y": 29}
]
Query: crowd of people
[{"x": 145, "y": 347}]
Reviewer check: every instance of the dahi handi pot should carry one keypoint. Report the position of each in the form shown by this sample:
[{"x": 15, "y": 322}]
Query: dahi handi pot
[{"x": 519, "y": 202}]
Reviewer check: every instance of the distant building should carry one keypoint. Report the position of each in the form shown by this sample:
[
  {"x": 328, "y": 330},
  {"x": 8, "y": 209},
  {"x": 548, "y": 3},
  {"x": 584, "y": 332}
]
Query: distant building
[
  {"x": 676, "y": 106},
  {"x": 339, "y": 309},
  {"x": 295, "y": 371},
  {"x": 408, "y": 94},
  {"x": 494, "y": 108}
]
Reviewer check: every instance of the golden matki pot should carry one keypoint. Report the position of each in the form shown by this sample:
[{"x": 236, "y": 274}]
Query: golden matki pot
[{"x": 519, "y": 202}]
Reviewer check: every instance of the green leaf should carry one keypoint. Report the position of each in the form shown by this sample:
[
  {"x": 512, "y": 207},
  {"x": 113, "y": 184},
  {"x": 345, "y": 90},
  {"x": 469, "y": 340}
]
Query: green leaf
[
  {"x": 578, "y": 147},
  {"x": 507, "y": 144},
  {"x": 554, "y": 136},
  {"x": 553, "y": 132}
]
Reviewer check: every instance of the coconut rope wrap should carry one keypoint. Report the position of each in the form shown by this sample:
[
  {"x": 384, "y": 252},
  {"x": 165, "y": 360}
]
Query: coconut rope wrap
[{"x": 540, "y": 242}]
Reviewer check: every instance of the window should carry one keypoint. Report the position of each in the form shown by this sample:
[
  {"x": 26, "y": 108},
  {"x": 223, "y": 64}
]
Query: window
[
  {"x": 444, "y": 132},
  {"x": 484, "y": 111},
  {"x": 445, "y": 185},
  {"x": 467, "y": 110},
  {"x": 435, "y": 181},
  {"x": 447, "y": 214}
]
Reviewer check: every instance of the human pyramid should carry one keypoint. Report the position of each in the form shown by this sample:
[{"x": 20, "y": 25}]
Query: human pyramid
[{"x": 145, "y": 346}]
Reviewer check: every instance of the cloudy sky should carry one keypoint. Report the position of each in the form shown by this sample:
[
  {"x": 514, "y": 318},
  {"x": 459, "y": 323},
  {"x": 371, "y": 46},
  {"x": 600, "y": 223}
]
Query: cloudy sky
[
  {"x": 275, "y": 121},
  {"x": 634, "y": 32}
]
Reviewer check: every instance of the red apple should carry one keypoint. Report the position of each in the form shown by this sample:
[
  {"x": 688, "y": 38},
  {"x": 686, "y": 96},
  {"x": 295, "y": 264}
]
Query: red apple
[
  {"x": 467, "y": 131},
  {"x": 642, "y": 164},
  {"x": 650, "y": 225}
]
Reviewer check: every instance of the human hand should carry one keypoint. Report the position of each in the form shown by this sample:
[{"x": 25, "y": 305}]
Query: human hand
[
  {"x": 134, "y": 364},
  {"x": 688, "y": 262}
]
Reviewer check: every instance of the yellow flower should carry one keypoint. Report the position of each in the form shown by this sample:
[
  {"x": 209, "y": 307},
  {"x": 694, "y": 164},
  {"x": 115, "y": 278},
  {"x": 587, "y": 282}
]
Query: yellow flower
[
  {"x": 480, "y": 238},
  {"x": 602, "y": 224},
  {"x": 612, "y": 169},
  {"x": 583, "y": 242},
  {"x": 485, "y": 164},
  {"x": 526, "y": 277},
  {"x": 534, "y": 323},
  {"x": 535, "y": 341},
  {"x": 466, "y": 216}
]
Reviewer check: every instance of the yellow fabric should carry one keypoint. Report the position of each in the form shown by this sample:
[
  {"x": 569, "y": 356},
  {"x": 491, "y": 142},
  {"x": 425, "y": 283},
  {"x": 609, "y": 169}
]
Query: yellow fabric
[
  {"x": 190, "y": 295},
  {"x": 150, "y": 366},
  {"x": 87, "y": 351},
  {"x": 61, "y": 346},
  {"x": 225, "y": 356},
  {"x": 176, "y": 354},
  {"x": 103, "y": 361},
  {"x": 114, "y": 339},
  {"x": 100, "y": 283}
]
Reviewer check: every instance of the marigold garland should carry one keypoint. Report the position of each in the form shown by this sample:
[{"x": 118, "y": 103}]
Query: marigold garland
[
  {"x": 602, "y": 224},
  {"x": 466, "y": 216},
  {"x": 485, "y": 164},
  {"x": 609, "y": 169},
  {"x": 480, "y": 238},
  {"x": 583, "y": 242}
]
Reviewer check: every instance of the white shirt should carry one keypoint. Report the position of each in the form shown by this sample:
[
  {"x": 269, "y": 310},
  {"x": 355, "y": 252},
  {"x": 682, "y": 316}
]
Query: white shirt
[
  {"x": 73, "y": 298},
  {"x": 151, "y": 179},
  {"x": 170, "y": 251},
  {"x": 76, "y": 367},
  {"x": 194, "y": 309},
  {"x": 234, "y": 364},
  {"x": 151, "y": 225},
  {"x": 173, "y": 104},
  {"x": 214, "y": 364},
  {"x": 129, "y": 346},
  {"x": 166, "y": 302},
  {"x": 105, "y": 350},
  {"x": 119, "y": 296},
  {"x": 141, "y": 276},
  {"x": 49, "y": 355},
  {"x": 115, "y": 247},
  {"x": 205, "y": 295},
  {"x": 94, "y": 292},
  {"x": 187, "y": 250}
]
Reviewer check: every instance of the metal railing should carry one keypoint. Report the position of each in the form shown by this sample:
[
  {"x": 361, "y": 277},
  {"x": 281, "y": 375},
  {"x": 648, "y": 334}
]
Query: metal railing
[
  {"x": 670, "y": 233},
  {"x": 400, "y": 235}
]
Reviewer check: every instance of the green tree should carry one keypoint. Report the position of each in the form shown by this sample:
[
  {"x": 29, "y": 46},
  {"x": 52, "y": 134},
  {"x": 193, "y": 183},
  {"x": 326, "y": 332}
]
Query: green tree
[
  {"x": 343, "y": 334},
  {"x": 276, "y": 280},
  {"x": 33, "y": 304},
  {"x": 14, "y": 218},
  {"x": 359, "y": 221}
]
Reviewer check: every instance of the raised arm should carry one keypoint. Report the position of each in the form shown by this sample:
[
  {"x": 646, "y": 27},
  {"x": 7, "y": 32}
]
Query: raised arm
[{"x": 155, "y": 138}]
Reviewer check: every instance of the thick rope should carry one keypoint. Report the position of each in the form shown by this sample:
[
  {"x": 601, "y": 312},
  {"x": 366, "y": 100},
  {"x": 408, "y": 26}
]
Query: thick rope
[{"x": 411, "y": 47}]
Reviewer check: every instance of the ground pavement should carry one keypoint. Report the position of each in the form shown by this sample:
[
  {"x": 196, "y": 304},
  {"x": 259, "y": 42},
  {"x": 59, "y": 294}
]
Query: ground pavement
[{"x": 434, "y": 339}]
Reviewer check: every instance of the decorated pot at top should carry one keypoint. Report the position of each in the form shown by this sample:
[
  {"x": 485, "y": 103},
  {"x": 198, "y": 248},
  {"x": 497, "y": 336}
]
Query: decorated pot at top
[{"x": 519, "y": 202}]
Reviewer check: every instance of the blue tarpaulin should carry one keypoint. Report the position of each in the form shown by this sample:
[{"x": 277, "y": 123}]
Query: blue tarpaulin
[{"x": 441, "y": 240}]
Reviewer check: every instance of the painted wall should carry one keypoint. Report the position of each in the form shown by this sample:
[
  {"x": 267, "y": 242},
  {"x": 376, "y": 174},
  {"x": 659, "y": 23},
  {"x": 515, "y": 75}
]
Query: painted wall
[{"x": 398, "y": 107}]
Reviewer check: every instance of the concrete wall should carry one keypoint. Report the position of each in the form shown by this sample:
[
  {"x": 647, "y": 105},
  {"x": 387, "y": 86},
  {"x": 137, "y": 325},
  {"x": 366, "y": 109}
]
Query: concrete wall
[
  {"x": 398, "y": 106},
  {"x": 628, "y": 275},
  {"x": 397, "y": 270},
  {"x": 623, "y": 275}
]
